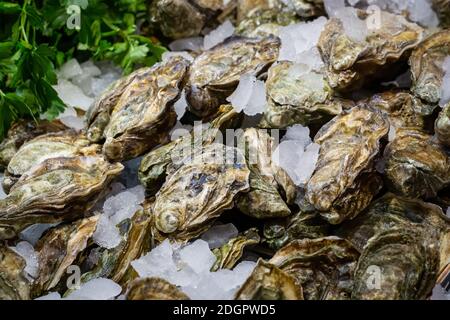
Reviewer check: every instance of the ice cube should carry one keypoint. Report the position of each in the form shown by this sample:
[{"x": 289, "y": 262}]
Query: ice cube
[
  {"x": 50, "y": 296},
  {"x": 249, "y": 96},
  {"x": 3, "y": 195},
  {"x": 70, "y": 70},
  {"x": 90, "y": 69},
  {"x": 106, "y": 234},
  {"x": 26, "y": 251},
  {"x": 354, "y": 27},
  {"x": 219, "y": 235},
  {"x": 96, "y": 289},
  {"x": 157, "y": 263},
  {"x": 72, "y": 95},
  {"x": 225, "y": 30},
  {"x": 198, "y": 256},
  {"x": 34, "y": 232},
  {"x": 181, "y": 105}
]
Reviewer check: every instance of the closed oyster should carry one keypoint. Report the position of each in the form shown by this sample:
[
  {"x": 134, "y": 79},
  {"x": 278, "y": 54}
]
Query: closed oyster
[
  {"x": 53, "y": 145},
  {"x": 144, "y": 114},
  {"x": 345, "y": 180},
  {"x": 442, "y": 126},
  {"x": 350, "y": 63},
  {"x": 58, "y": 250},
  {"x": 264, "y": 199},
  {"x": 23, "y": 131},
  {"x": 13, "y": 283},
  {"x": 299, "y": 226},
  {"x": 442, "y": 8},
  {"x": 197, "y": 191},
  {"x": 263, "y": 23},
  {"x": 215, "y": 74},
  {"x": 323, "y": 267},
  {"x": 185, "y": 18},
  {"x": 230, "y": 253},
  {"x": 154, "y": 289},
  {"x": 267, "y": 282},
  {"x": 57, "y": 190},
  {"x": 152, "y": 170},
  {"x": 299, "y": 98},
  {"x": 415, "y": 166},
  {"x": 426, "y": 61}
]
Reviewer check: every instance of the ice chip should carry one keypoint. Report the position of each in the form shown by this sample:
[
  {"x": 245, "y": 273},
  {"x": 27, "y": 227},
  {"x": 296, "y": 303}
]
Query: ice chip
[
  {"x": 181, "y": 105},
  {"x": 218, "y": 35},
  {"x": 191, "y": 44},
  {"x": 50, "y": 296},
  {"x": 249, "y": 96},
  {"x": 198, "y": 256},
  {"x": 34, "y": 232},
  {"x": 26, "y": 251},
  {"x": 70, "y": 70},
  {"x": 96, "y": 289},
  {"x": 90, "y": 69},
  {"x": 219, "y": 235},
  {"x": 72, "y": 95},
  {"x": 106, "y": 234}
]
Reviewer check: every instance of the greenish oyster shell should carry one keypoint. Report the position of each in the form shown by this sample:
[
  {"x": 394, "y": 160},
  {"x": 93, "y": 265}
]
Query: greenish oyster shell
[
  {"x": 442, "y": 8},
  {"x": 57, "y": 250},
  {"x": 277, "y": 233},
  {"x": 231, "y": 252},
  {"x": 267, "y": 282},
  {"x": 407, "y": 266},
  {"x": 13, "y": 283},
  {"x": 442, "y": 126},
  {"x": 394, "y": 212},
  {"x": 345, "y": 181},
  {"x": 351, "y": 63},
  {"x": 197, "y": 191},
  {"x": 264, "y": 199},
  {"x": 153, "y": 167},
  {"x": 144, "y": 114},
  {"x": 184, "y": 18},
  {"x": 65, "y": 144},
  {"x": 426, "y": 61},
  {"x": 154, "y": 289},
  {"x": 215, "y": 73},
  {"x": 323, "y": 267},
  {"x": 56, "y": 190},
  {"x": 23, "y": 131},
  {"x": 402, "y": 108},
  {"x": 415, "y": 166},
  {"x": 299, "y": 98}
]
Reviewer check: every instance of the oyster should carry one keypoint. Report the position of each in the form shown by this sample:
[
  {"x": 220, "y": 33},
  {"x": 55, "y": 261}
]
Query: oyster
[
  {"x": 154, "y": 165},
  {"x": 442, "y": 126},
  {"x": 415, "y": 166},
  {"x": 265, "y": 22},
  {"x": 268, "y": 282},
  {"x": 154, "y": 289},
  {"x": 57, "y": 190},
  {"x": 230, "y": 253},
  {"x": 137, "y": 113},
  {"x": 58, "y": 250},
  {"x": 215, "y": 74},
  {"x": 345, "y": 180},
  {"x": 23, "y": 131},
  {"x": 13, "y": 283},
  {"x": 197, "y": 191},
  {"x": 299, "y": 98},
  {"x": 264, "y": 199},
  {"x": 323, "y": 267},
  {"x": 350, "y": 63},
  {"x": 425, "y": 62},
  {"x": 442, "y": 8},
  {"x": 185, "y": 18},
  {"x": 52, "y": 145}
]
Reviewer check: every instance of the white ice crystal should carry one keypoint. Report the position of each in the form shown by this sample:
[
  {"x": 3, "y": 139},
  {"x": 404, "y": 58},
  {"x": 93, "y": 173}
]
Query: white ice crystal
[
  {"x": 218, "y": 35},
  {"x": 249, "y": 96},
  {"x": 27, "y": 252},
  {"x": 219, "y": 234}
]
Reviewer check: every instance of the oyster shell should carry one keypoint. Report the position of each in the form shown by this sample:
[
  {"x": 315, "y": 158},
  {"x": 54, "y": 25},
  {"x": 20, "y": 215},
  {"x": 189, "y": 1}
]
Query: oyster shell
[
  {"x": 442, "y": 8},
  {"x": 154, "y": 289},
  {"x": 13, "y": 283},
  {"x": 350, "y": 63},
  {"x": 323, "y": 267},
  {"x": 53, "y": 145},
  {"x": 345, "y": 180},
  {"x": 415, "y": 166},
  {"x": 197, "y": 191},
  {"x": 23, "y": 131},
  {"x": 265, "y": 22},
  {"x": 299, "y": 99},
  {"x": 267, "y": 282},
  {"x": 230, "y": 253},
  {"x": 442, "y": 126},
  {"x": 58, "y": 250},
  {"x": 215, "y": 74},
  {"x": 425, "y": 62},
  {"x": 57, "y": 190},
  {"x": 264, "y": 199}
]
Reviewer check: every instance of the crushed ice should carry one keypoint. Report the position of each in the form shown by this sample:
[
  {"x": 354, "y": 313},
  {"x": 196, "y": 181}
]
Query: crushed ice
[
  {"x": 218, "y": 35},
  {"x": 249, "y": 96},
  {"x": 27, "y": 252}
]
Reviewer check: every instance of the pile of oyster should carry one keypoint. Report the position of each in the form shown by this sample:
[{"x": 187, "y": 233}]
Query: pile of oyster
[{"x": 284, "y": 149}]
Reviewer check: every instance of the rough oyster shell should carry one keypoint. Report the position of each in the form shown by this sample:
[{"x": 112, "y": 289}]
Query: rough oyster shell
[
  {"x": 154, "y": 289},
  {"x": 57, "y": 190},
  {"x": 350, "y": 63},
  {"x": 267, "y": 282},
  {"x": 442, "y": 8},
  {"x": 23, "y": 131},
  {"x": 425, "y": 62},
  {"x": 263, "y": 23},
  {"x": 13, "y": 283},
  {"x": 442, "y": 126},
  {"x": 197, "y": 191},
  {"x": 415, "y": 166},
  {"x": 323, "y": 267},
  {"x": 345, "y": 180},
  {"x": 53, "y": 145},
  {"x": 215, "y": 74},
  {"x": 305, "y": 99}
]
